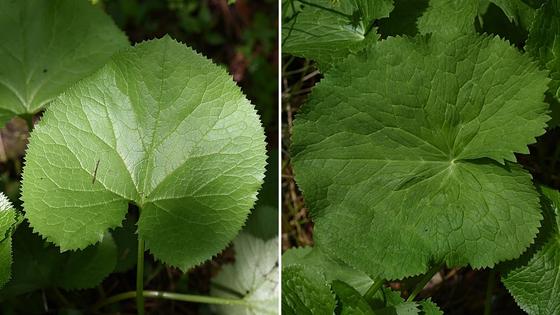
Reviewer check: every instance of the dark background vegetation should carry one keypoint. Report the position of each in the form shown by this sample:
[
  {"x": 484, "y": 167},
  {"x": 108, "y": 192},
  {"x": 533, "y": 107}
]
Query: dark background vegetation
[
  {"x": 242, "y": 37},
  {"x": 457, "y": 290}
]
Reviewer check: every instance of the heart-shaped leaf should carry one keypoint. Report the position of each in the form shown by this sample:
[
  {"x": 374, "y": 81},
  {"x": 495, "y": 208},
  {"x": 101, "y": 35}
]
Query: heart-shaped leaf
[
  {"x": 414, "y": 158},
  {"x": 161, "y": 127},
  {"x": 48, "y": 46}
]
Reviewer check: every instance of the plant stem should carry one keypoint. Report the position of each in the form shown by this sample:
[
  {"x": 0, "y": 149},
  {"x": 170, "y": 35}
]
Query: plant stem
[
  {"x": 29, "y": 119},
  {"x": 170, "y": 296},
  {"x": 377, "y": 283},
  {"x": 489, "y": 292},
  {"x": 140, "y": 277},
  {"x": 425, "y": 280}
]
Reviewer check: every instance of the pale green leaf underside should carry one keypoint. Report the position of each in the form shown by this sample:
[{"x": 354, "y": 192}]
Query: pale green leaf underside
[
  {"x": 544, "y": 45},
  {"x": 399, "y": 147},
  {"x": 305, "y": 291},
  {"x": 254, "y": 275},
  {"x": 533, "y": 278},
  {"x": 46, "y": 46},
  {"x": 159, "y": 126},
  {"x": 327, "y": 33}
]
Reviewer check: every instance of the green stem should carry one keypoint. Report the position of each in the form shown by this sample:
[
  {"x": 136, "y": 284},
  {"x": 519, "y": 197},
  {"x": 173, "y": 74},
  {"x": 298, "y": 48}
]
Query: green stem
[
  {"x": 29, "y": 119},
  {"x": 171, "y": 296},
  {"x": 425, "y": 280},
  {"x": 489, "y": 292},
  {"x": 377, "y": 283},
  {"x": 140, "y": 278}
]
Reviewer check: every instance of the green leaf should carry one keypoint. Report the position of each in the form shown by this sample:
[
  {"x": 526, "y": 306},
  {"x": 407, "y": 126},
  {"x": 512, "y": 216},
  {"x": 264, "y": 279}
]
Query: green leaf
[
  {"x": 255, "y": 276},
  {"x": 351, "y": 300},
  {"x": 38, "y": 264},
  {"x": 328, "y": 33},
  {"x": 8, "y": 223},
  {"x": 161, "y": 127},
  {"x": 333, "y": 267},
  {"x": 544, "y": 45},
  {"x": 305, "y": 291},
  {"x": 403, "y": 19},
  {"x": 444, "y": 15},
  {"x": 427, "y": 307},
  {"x": 127, "y": 245},
  {"x": 86, "y": 268},
  {"x": 517, "y": 11},
  {"x": 46, "y": 47},
  {"x": 533, "y": 278},
  {"x": 263, "y": 220},
  {"x": 405, "y": 308},
  {"x": 406, "y": 160},
  {"x": 426, "y": 16}
]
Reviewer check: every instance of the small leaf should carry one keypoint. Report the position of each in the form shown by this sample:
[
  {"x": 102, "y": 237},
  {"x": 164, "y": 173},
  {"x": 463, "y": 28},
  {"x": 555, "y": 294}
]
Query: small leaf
[
  {"x": 305, "y": 291},
  {"x": 86, "y": 268},
  {"x": 8, "y": 223},
  {"x": 406, "y": 160},
  {"x": 46, "y": 47},
  {"x": 533, "y": 278},
  {"x": 517, "y": 12},
  {"x": 127, "y": 246},
  {"x": 39, "y": 264},
  {"x": 544, "y": 45},
  {"x": 333, "y": 267},
  {"x": 255, "y": 276},
  {"x": 161, "y": 127},
  {"x": 328, "y": 33},
  {"x": 351, "y": 300},
  {"x": 405, "y": 308},
  {"x": 427, "y": 307},
  {"x": 444, "y": 15}
]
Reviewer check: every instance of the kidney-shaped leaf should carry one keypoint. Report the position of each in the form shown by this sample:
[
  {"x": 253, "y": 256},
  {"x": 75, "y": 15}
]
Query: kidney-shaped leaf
[
  {"x": 46, "y": 46},
  {"x": 397, "y": 154},
  {"x": 160, "y": 127}
]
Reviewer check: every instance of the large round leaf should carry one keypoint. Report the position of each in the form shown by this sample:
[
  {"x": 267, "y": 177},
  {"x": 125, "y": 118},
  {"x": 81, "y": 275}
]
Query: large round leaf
[
  {"x": 400, "y": 153},
  {"x": 46, "y": 46},
  {"x": 161, "y": 127}
]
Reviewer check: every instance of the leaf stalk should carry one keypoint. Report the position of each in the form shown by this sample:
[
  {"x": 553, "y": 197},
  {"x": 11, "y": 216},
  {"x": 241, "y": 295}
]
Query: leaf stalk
[
  {"x": 170, "y": 296},
  {"x": 425, "y": 280},
  {"x": 140, "y": 278}
]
